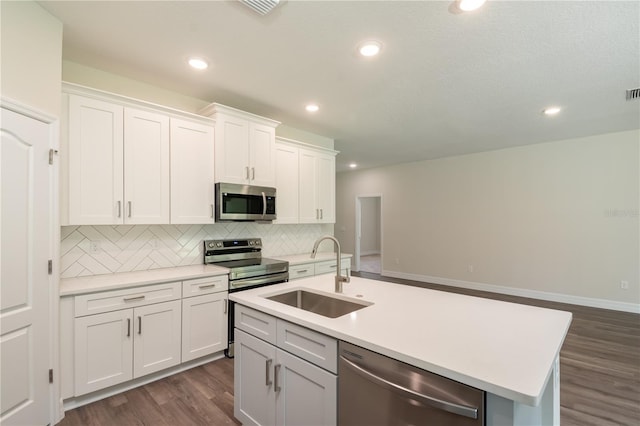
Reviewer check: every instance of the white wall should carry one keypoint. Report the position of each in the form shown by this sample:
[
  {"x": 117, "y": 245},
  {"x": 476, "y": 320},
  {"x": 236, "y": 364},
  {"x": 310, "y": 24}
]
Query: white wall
[
  {"x": 559, "y": 218},
  {"x": 370, "y": 225},
  {"x": 31, "y": 49}
]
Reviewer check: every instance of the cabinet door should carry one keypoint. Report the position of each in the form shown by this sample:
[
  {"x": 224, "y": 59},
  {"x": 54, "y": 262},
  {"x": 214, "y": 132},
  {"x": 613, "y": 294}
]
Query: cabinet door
[
  {"x": 192, "y": 172},
  {"x": 156, "y": 332},
  {"x": 326, "y": 183},
  {"x": 232, "y": 150},
  {"x": 262, "y": 153},
  {"x": 286, "y": 184},
  {"x": 254, "y": 361},
  {"x": 204, "y": 325},
  {"x": 95, "y": 162},
  {"x": 146, "y": 167},
  {"x": 103, "y": 350},
  {"x": 308, "y": 210},
  {"x": 307, "y": 394}
]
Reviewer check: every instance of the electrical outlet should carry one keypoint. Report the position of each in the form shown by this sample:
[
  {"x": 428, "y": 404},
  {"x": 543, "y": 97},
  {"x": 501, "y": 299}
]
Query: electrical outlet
[
  {"x": 94, "y": 246},
  {"x": 624, "y": 285}
]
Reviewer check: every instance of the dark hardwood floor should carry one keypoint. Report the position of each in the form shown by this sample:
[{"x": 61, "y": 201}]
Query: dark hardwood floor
[{"x": 599, "y": 377}]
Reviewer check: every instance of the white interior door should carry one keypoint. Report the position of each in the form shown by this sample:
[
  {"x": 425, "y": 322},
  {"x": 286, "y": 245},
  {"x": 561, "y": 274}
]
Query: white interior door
[{"x": 24, "y": 255}]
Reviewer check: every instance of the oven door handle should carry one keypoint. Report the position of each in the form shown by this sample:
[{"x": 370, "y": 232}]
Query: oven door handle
[{"x": 250, "y": 282}]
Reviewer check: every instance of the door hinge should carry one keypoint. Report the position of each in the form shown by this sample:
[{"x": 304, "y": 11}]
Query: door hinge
[
  {"x": 51, "y": 375},
  {"x": 50, "y": 266},
  {"x": 52, "y": 152}
]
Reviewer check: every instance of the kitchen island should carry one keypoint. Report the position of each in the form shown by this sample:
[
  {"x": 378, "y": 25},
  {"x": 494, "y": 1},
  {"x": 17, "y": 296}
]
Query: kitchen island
[{"x": 509, "y": 350}]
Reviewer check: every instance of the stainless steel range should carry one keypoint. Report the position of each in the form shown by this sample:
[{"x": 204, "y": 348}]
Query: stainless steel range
[{"x": 247, "y": 269}]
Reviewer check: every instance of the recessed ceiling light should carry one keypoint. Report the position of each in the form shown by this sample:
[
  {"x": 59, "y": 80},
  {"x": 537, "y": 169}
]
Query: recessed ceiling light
[
  {"x": 353, "y": 165},
  {"x": 312, "y": 108},
  {"x": 469, "y": 5},
  {"x": 198, "y": 63},
  {"x": 370, "y": 48},
  {"x": 551, "y": 110}
]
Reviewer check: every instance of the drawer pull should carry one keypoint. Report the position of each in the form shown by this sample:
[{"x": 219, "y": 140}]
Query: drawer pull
[
  {"x": 267, "y": 380},
  {"x": 276, "y": 370},
  {"x": 202, "y": 287},
  {"x": 139, "y": 325},
  {"x": 333, "y": 266},
  {"x": 302, "y": 271},
  {"x": 128, "y": 327},
  {"x": 134, "y": 298}
]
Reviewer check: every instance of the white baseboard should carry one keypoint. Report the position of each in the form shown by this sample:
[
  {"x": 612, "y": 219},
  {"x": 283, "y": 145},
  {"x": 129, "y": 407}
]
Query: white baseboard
[{"x": 533, "y": 294}]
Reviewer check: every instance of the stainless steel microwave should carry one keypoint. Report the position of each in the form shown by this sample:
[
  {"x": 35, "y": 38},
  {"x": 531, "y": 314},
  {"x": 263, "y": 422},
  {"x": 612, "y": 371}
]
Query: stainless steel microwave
[{"x": 235, "y": 202}]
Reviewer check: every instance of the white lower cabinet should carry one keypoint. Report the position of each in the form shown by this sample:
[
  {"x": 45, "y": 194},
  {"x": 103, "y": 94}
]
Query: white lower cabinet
[
  {"x": 114, "y": 347},
  {"x": 275, "y": 387},
  {"x": 310, "y": 269},
  {"x": 204, "y": 325}
]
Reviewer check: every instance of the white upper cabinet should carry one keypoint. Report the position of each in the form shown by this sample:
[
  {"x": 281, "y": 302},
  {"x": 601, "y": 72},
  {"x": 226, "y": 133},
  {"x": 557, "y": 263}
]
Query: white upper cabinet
[
  {"x": 192, "y": 177},
  {"x": 317, "y": 186},
  {"x": 286, "y": 183},
  {"x": 95, "y": 158},
  {"x": 118, "y": 164},
  {"x": 245, "y": 146},
  {"x": 131, "y": 162},
  {"x": 146, "y": 167}
]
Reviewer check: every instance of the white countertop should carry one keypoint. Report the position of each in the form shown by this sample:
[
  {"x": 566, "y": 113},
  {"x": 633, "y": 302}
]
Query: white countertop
[
  {"x": 90, "y": 284},
  {"x": 504, "y": 348},
  {"x": 299, "y": 259}
]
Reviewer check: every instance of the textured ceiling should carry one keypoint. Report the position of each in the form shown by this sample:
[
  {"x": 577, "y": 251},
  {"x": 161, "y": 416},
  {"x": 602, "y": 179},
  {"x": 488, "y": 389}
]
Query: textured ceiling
[{"x": 445, "y": 83}]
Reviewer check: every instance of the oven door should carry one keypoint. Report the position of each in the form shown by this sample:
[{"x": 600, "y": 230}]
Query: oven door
[{"x": 245, "y": 202}]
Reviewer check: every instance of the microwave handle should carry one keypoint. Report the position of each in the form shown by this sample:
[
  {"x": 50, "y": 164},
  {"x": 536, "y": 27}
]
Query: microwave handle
[{"x": 264, "y": 205}]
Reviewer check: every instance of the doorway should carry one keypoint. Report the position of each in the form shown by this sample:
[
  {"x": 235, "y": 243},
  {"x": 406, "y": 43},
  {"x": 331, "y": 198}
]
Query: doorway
[{"x": 368, "y": 244}]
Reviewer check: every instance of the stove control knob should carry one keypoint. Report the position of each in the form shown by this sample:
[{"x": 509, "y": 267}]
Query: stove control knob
[
  {"x": 257, "y": 242},
  {"x": 250, "y": 242},
  {"x": 211, "y": 245},
  {"x": 218, "y": 244}
]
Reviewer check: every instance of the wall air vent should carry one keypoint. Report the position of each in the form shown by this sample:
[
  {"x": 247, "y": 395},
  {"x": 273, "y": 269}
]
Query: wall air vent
[
  {"x": 633, "y": 94},
  {"x": 261, "y": 6}
]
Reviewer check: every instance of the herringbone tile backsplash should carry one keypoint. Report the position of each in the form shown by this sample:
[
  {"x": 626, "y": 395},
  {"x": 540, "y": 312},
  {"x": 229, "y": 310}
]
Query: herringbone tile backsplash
[{"x": 94, "y": 250}]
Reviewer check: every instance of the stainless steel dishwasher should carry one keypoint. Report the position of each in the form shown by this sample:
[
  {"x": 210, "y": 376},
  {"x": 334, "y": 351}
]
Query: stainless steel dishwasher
[{"x": 376, "y": 390}]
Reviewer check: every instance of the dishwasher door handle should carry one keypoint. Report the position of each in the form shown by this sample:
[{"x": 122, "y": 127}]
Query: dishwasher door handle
[{"x": 463, "y": 410}]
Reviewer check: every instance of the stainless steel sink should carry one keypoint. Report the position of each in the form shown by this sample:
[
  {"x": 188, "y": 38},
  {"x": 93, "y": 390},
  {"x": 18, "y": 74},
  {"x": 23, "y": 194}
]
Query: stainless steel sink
[{"x": 327, "y": 306}]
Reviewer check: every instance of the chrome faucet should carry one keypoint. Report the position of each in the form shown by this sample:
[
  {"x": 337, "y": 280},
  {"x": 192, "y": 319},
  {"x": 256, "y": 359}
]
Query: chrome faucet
[{"x": 339, "y": 278}]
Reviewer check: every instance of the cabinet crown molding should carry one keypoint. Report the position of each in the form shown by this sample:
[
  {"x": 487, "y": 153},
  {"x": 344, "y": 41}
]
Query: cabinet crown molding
[
  {"x": 305, "y": 145},
  {"x": 214, "y": 109}
]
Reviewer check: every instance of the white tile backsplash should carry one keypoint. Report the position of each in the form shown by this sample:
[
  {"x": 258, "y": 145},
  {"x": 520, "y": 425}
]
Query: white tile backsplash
[{"x": 126, "y": 248}]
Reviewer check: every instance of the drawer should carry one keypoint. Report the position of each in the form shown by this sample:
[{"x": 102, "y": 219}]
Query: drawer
[
  {"x": 107, "y": 301},
  {"x": 301, "y": 271},
  {"x": 256, "y": 323},
  {"x": 317, "y": 348},
  {"x": 329, "y": 266},
  {"x": 205, "y": 285}
]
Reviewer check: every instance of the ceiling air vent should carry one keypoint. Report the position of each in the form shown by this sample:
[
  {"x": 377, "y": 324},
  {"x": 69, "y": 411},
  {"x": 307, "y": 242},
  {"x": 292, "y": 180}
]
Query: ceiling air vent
[
  {"x": 633, "y": 94},
  {"x": 261, "y": 6}
]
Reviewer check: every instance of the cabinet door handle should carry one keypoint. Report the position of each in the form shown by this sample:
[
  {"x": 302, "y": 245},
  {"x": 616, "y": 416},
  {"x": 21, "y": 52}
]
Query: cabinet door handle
[
  {"x": 129, "y": 203},
  {"x": 321, "y": 214},
  {"x": 253, "y": 173},
  {"x": 212, "y": 211},
  {"x": 276, "y": 371},
  {"x": 246, "y": 171},
  {"x": 119, "y": 208},
  {"x": 267, "y": 380},
  {"x": 226, "y": 304},
  {"x": 128, "y": 327},
  {"x": 139, "y": 325},
  {"x": 317, "y": 214},
  {"x": 131, "y": 299}
]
